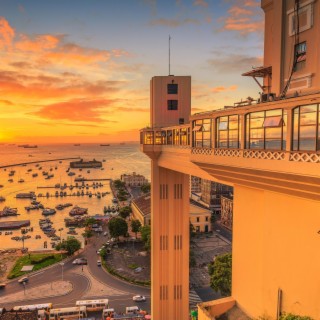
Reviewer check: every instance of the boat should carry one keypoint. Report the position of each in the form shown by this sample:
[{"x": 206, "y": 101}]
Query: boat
[
  {"x": 20, "y": 180},
  {"x": 27, "y": 146},
  {"x": 25, "y": 195},
  {"x": 10, "y": 180},
  {"x": 77, "y": 144},
  {"x": 104, "y": 145},
  {"x": 48, "y": 211},
  {"x": 88, "y": 171},
  {"x": 9, "y": 225},
  {"x": 34, "y": 175},
  {"x": 2, "y": 199},
  {"x": 86, "y": 164},
  {"x": 71, "y": 174},
  {"x": 77, "y": 211},
  {"x": 7, "y": 211},
  {"x": 29, "y": 170}
]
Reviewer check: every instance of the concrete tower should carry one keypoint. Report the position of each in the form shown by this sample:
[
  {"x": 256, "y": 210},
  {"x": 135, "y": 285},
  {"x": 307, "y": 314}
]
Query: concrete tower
[{"x": 170, "y": 105}]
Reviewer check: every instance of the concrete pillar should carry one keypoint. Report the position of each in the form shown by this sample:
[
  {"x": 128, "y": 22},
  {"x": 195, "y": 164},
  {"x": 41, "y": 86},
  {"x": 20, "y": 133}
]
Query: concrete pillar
[{"x": 169, "y": 244}]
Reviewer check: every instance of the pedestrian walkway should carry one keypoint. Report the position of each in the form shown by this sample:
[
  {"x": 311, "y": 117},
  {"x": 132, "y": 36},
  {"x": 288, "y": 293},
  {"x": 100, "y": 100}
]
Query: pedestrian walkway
[
  {"x": 52, "y": 289},
  {"x": 194, "y": 299},
  {"x": 96, "y": 288}
]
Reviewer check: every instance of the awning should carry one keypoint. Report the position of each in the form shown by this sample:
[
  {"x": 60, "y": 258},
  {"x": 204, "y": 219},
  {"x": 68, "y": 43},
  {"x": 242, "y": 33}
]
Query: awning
[
  {"x": 197, "y": 128},
  {"x": 258, "y": 72}
]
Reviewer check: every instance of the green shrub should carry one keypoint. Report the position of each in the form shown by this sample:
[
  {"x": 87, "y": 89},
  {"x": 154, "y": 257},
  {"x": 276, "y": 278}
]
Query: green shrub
[
  {"x": 40, "y": 259},
  {"x": 290, "y": 316}
]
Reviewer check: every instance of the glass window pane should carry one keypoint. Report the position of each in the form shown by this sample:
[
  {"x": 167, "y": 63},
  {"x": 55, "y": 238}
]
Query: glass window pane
[
  {"x": 233, "y": 134},
  {"x": 256, "y": 144},
  {"x": 309, "y": 108},
  {"x": 206, "y": 135},
  {"x": 273, "y": 133},
  {"x": 256, "y": 133},
  {"x": 257, "y": 114},
  {"x": 206, "y": 127},
  {"x": 273, "y": 144},
  {"x": 307, "y": 139},
  {"x": 233, "y": 124},
  {"x": 223, "y": 125},
  {"x": 206, "y": 143},
  {"x": 308, "y": 118},
  {"x": 223, "y": 135},
  {"x": 234, "y": 144},
  {"x": 275, "y": 112},
  {"x": 223, "y": 144},
  {"x": 256, "y": 123}
]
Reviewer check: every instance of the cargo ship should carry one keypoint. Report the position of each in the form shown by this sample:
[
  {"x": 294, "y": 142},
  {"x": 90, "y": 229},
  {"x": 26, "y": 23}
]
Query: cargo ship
[
  {"x": 9, "y": 225},
  {"x": 86, "y": 164}
]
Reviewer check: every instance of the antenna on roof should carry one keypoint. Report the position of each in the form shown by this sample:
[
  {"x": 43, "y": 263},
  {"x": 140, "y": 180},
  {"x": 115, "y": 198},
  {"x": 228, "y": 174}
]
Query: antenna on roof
[{"x": 169, "y": 52}]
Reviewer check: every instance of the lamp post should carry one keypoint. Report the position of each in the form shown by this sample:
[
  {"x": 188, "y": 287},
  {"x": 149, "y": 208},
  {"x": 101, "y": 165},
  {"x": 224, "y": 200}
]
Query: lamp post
[
  {"x": 60, "y": 233},
  {"x": 24, "y": 287},
  {"x": 61, "y": 264}
]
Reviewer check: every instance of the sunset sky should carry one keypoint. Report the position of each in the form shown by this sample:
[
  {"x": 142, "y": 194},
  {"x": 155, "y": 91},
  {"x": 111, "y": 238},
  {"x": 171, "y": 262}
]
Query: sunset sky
[{"x": 79, "y": 70}]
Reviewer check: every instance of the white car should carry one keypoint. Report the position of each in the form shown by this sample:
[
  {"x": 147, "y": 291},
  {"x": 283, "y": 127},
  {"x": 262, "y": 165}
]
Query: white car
[
  {"x": 23, "y": 280},
  {"x": 139, "y": 298}
]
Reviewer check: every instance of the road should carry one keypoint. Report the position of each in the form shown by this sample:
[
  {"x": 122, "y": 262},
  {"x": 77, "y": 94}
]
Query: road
[{"x": 91, "y": 281}]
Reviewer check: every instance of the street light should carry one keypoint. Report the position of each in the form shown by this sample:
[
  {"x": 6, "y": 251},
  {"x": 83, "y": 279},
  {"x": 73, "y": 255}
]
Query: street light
[
  {"x": 61, "y": 264},
  {"x": 60, "y": 233},
  {"x": 24, "y": 287}
]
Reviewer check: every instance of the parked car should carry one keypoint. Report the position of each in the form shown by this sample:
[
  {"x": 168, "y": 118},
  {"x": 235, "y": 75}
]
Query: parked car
[
  {"x": 2, "y": 285},
  {"x": 139, "y": 298},
  {"x": 23, "y": 280},
  {"x": 80, "y": 261},
  {"x": 99, "y": 263}
]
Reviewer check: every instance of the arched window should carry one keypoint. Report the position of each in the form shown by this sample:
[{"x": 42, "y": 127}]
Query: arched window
[
  {"x": 306, "y": 131},
  {"x": 266, "y": 130},
  {"x": 201, "y": 130},
  {"x": 228, "y": 132}
]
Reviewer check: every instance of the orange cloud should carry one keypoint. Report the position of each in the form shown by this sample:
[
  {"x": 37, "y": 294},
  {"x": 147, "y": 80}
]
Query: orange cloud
[
  {"x": 224, "y": 89},
  {"x": 244, "y": 17},
  {"x": 75, "y": 110},
  {"x": 6, "y": 33},
  {"x": 173, "y": 22},
  {"x": 38, "y": 44}
]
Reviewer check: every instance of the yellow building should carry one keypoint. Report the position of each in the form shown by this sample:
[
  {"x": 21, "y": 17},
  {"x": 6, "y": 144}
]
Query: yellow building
[
  {"x": 268, "y": 150},
  {"x": 141, "y": 209},
  {"x": 227, "y": 211},
  {"x": 200, "y": 218}
]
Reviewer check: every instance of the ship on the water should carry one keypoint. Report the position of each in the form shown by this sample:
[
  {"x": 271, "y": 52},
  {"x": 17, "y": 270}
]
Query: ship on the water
[
  {"x": 25, "y": 195},
  {"x": 86, "y": 164},
  {"x": 28, "y": 146},
  {"x": 9, "y": 225},
  {"x": 105, "y": 145}
]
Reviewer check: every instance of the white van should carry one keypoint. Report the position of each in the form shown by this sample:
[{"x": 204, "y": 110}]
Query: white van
[
  {"x": 131, "y": 310},
  {"x": 106, "y": 312}
]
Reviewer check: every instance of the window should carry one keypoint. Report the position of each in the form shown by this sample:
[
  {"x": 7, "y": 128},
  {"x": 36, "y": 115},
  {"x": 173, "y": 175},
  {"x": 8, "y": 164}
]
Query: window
[
  {"x": 198, "y": 219},
  {"x": 305, "y": 18},
  {"x": 228, "y": 132},
  {"x": 300, "y": 54},
  {"x": 207, "y": 218},
  {"x": 266, "y": 130},
  {"x": 306, "y": 135},
  {"x": 201, "y": 133},
  {"x": 172, "y": 104},
  {"x": 172, "y": 88}
]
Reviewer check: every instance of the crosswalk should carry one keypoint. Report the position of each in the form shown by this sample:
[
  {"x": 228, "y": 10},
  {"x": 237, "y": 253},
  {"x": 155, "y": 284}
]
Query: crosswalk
[{"x": 194, "y": 299}]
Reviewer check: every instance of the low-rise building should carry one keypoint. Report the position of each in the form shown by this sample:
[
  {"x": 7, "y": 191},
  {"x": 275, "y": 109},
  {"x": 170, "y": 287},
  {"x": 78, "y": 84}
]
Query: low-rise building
[
  {"x": 133, "y": 179},
  {"x": 200, "y": 218},
  {"x": 141, "y": 209}
]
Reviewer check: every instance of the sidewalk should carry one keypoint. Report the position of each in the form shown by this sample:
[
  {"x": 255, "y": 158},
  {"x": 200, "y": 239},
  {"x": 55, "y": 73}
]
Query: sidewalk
[{"x": 52, "y": 289}]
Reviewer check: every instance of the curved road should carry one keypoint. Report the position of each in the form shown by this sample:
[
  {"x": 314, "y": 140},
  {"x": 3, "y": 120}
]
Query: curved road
[{"x": 81, "y": 283}]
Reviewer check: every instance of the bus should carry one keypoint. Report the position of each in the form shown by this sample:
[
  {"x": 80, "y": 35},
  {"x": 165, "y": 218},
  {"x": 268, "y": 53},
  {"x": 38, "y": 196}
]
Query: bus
[
  {"x": 68, "y": 313},
  {"x": 43, "y": 309},
  {"x": 94, "y": 305}
]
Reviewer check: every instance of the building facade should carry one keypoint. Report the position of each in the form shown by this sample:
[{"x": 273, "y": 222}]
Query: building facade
[
  {"x": 200, "y": 218},
  {"x": 227, "y": 211},
  {"x": 211, "y": 193},
  {"x": 268, "y": 150},
  {"x": 133, "y": 180},
  {"x": 141, "y": 209},
  {"x": 195, "y": 184}
]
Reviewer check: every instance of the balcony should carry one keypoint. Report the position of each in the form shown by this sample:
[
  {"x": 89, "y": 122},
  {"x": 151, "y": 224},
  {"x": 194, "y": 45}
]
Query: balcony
[{"x": 274, "y": 145}]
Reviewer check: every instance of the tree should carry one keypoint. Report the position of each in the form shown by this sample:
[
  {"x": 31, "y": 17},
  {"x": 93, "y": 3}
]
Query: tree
[
  {"x": 221, "y": 274},
  {"x": 145, "y": 188},
  {"x": 146, "y": 237},
  {"x": 87, "y": 234},
  {"x": 291, "y": 316},
  {"x": 118, "y": 227},
  {"x": 135, "y": 226},
  {"x": 90, "y": 221},
  {"x": 125, "y": 212},
  {"x": 71, "y": 245},
  {"x": 119, "y": 184}
]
